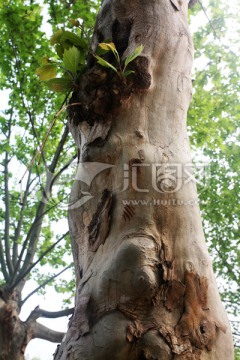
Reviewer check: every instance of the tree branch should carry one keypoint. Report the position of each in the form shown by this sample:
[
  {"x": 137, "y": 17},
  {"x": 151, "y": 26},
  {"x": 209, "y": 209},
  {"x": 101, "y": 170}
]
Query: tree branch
[
  {"x": 7, "y": 208},
  {"x": 34, "y": 232},
  {"x": 2, "y": 262},
  {"x": 42, "y": 332},
  {"x": 45, "y": 283},
  {"x": 61, "y": 170},
  {"x": 214, "y": 30},
  {"x": 37, "y": 313},
  {"x": 22, "y": 275},
  {"x": 57, "y": 154},
  {"x": 20, "y": 221}
]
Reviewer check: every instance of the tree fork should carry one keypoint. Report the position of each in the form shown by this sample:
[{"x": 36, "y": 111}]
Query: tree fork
[{"x": 145, "y": 285}]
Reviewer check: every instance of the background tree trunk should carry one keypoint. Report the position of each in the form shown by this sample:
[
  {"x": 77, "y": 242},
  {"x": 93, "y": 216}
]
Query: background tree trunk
[{"x": 145, "y": 285}]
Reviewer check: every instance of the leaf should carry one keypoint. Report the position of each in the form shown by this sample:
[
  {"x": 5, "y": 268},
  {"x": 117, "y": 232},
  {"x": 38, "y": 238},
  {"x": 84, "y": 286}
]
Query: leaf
[
  {"x": 74, "y": 39},
  {"x": 105, "y": 63},
  {"x": 59, "y": 84},
  {"x": 74, "y": 22},
  {"x": 46, "y": 72},
  {"x": 71, "y": 59},
  {"x": 128, "y": 72},
  {"x": 55, "y": 38},
  {"x": 45, "y": 60},
  {"x": 107, "y": 46},
  {"x": 110, "y": 47},
  {"x": 134, "y": 54},
  {"x": 59, "y": 50}
]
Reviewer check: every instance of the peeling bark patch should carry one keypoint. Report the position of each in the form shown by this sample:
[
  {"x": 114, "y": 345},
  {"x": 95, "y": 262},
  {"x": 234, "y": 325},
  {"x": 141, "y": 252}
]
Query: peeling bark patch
[
  {"x": 176, "y": 345},
  {"x": 99, "y": 226},
  {"x": 82, "y": 316},
  {"x": 174, "y": 294},
  {"x": 134, "y": 331},
  {"x": 197, "y": 324},
  {"x": 197, "y": 328}
]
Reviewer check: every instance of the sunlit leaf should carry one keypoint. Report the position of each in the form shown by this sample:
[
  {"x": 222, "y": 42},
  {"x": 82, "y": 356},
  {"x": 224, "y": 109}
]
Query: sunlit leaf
[
  {"x": 74, "y": 22},
  {"x": 46, "y": 72},
  {"x": 105, "y": 63},
  {"x": 128, "y": 72},
  {"x": 74, "y": 39},
  {"x": 107, "y": 46},
  {"x": 71, "y": 59},
  {"x": 134, "y": 55},
  {"x": 56, "y": 37},
  {"x": 59, "y": 84}
]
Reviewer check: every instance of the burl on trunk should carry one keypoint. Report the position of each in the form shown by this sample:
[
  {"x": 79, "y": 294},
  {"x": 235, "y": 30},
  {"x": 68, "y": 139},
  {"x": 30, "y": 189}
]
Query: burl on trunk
[{"x": 145, "y": 285}]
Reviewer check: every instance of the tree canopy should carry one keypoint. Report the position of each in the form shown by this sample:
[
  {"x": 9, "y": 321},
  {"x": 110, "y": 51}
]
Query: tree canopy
[{"x": 33, "y": 235}]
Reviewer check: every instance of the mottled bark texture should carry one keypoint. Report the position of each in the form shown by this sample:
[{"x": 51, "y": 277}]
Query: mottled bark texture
[{"x": 145, "y": 286}]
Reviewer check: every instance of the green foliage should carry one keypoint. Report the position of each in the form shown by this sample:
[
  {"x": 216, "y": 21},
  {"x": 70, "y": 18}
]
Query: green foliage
[
  {"x": 133, "y": 56},
  {"x": 28, "y": 110},
  {"x": 46, "y": 72},
  {"x": 121, "y": 68},
  {"x": 214, "y": 119},
  {"x": 71, "y": 49},
  {"x": 71, "y": 58},
  {"x": 237, "y": 354}
]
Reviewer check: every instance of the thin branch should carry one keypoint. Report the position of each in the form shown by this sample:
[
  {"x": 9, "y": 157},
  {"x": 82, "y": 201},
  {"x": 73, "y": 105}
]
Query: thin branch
[
  {"x": 2, "y": 262},
  {"x": 37, "y": 313},
  {"x": 214, "y": 30},
  {"x": 34, "y": 231},
  {"x": 52, "y": 207},
  {"x": 57, "y": 154},
  {"x": 62, "y": 170},
  {"x": 7, "y": 206},
  {"x": 42, "y": 332},
  {"x": 25, "y": 273},
  {"x": 45, "y": 283},
  {"x": 40, "y": 150},
  {"x": 20, "y": 221}
]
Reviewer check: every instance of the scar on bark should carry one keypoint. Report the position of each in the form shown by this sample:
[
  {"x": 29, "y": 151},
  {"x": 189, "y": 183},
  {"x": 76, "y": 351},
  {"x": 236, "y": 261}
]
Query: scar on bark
[
  {"x": 99, "y": 226},
  {"x": 128, "y": 212},
  {"x": 197, "y": 329},
  {"x": 197, "y": 323}
]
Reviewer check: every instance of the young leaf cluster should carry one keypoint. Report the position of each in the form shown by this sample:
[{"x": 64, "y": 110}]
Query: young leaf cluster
[
  {"x": 71, "y": 50},
  {"x": 121, "y": 66}
]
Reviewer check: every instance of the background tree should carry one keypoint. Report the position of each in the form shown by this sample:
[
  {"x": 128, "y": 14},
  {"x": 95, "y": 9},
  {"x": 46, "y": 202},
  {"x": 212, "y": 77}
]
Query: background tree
[
  {"x": 213, "y": 120},
  {"x": 27, "y": 237}
]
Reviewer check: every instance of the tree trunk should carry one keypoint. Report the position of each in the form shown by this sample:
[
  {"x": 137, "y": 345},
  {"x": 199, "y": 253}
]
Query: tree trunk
[
  {"x": 13, "y": 332},
  {"x": 145, "y": 285},
  {"x": 16, "y": 334}
]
